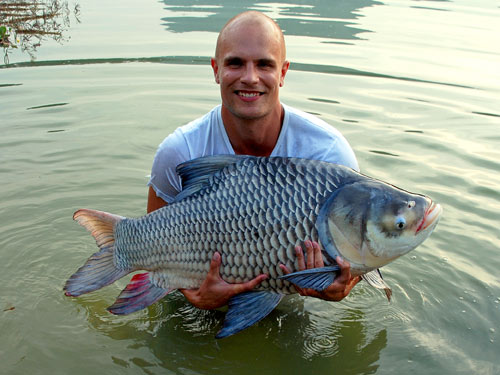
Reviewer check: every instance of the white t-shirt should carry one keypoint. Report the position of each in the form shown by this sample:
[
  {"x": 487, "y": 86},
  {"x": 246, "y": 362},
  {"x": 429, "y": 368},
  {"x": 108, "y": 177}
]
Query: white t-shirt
[{"x": 302, "y": 135}]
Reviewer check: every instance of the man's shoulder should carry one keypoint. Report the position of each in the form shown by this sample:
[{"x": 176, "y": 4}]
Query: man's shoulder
[
  {"x": 308, "y": 136},
  {"x": 201, "y": 123},
  {"x": 193, "y": 130},
  {"x": 200, "y": 137}
]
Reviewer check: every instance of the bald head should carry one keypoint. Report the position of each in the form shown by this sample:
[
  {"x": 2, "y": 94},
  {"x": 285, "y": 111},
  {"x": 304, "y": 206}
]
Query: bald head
[
  {"x": 251, "y": 19},
  {"x": 250, "y": 68}
]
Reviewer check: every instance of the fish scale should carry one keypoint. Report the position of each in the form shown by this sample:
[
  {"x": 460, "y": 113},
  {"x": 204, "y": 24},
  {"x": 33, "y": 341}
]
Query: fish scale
[{"x": 256, "y": 212}]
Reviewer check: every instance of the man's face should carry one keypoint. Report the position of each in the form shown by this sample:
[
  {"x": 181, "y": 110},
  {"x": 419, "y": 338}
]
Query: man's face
[{"x": 250, "y": 69}]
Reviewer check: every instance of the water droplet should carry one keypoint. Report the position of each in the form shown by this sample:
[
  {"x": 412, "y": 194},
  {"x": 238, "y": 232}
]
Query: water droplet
[
  {"x": 461, "y": 298},
  {"x": 445, "y": 259},
  {"x": 463, "y": 311},
  {"x": 413, "y": 257},
  {"x": 492, "y": 330}
]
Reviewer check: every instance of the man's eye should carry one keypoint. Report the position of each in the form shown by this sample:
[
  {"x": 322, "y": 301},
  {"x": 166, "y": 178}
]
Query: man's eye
[
  {"x": 265, "y": 64},
  {"x": 234, "y": 63}
]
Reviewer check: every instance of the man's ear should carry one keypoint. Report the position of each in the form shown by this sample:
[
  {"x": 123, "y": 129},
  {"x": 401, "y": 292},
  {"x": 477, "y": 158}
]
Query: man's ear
[
  {"x": 215, "y": 68},
  {"x": 284, "y": 70}
]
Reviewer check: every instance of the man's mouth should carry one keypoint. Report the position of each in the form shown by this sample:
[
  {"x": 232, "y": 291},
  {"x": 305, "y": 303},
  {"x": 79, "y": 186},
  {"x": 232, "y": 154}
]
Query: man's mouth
[{"x": 248, "y": 95}]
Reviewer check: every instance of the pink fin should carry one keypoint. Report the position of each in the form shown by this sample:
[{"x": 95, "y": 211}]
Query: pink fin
[{"x": 138, "y": 294}]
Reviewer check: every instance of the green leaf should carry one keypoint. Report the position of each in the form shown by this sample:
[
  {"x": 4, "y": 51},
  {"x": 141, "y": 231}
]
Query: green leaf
[{"x": 3, "y": 31}]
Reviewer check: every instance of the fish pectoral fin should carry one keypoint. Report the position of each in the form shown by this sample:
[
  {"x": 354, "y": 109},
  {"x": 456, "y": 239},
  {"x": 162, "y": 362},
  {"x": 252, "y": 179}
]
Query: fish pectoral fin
[
  {"x": 315, "y": 278},
  {"x": 246, "y": 309},
  {"x": 374, "y": 279},
  {"x": 138, "y": 294}
]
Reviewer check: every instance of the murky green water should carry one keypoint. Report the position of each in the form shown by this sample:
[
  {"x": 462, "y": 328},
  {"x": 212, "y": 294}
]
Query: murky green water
[{"x": 413, "y": 85}]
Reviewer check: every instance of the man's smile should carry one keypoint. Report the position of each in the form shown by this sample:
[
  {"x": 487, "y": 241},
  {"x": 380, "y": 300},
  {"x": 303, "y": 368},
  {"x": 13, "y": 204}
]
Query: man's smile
[{"x": 248, "y": 95}]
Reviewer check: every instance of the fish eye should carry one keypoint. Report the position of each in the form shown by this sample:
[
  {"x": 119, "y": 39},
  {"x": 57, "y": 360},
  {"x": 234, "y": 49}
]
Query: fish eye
[
  {"x": 411, "y": 204},
  {"x": 400, "y": 223}
]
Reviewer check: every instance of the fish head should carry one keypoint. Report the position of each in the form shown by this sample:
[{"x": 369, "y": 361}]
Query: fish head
[{"x": 371, "y": 223}]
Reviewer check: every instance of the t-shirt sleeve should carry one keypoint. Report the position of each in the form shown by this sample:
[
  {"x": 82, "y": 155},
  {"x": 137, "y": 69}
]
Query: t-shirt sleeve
[
  {"x": 341, "y": 153},
  {"x": 306, "y": 136},
  {"x": 164, "y": 179}
]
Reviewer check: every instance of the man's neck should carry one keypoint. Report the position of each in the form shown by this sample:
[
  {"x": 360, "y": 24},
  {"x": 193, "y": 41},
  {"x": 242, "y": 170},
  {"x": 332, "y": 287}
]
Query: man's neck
[{"x": 256, "y": 137}]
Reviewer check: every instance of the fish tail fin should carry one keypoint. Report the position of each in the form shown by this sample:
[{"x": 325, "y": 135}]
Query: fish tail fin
[{"x": 99, "y": 270}]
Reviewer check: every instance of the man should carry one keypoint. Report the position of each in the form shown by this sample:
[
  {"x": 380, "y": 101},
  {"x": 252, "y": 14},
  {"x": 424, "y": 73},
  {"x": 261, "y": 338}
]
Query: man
[{"x": 250, "y": 66}]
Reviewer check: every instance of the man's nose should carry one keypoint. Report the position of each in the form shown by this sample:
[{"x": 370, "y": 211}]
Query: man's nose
[{"x": 250, "y": 74}]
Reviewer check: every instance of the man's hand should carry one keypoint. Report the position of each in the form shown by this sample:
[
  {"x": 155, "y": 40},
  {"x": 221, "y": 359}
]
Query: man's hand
[
  {"x": 214, "y": 292},
  {"x": 339, "y": 288}
]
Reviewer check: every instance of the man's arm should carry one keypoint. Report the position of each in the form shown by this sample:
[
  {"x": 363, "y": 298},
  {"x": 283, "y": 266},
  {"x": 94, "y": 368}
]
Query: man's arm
[{"x": 154, "y": 201}]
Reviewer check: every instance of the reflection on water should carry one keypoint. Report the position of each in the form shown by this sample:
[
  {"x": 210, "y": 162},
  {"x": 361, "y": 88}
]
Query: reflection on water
[
  {"x": 28, "y": 23},
  {"x": 428, "y": 7},
  {"x": 323, "y": 18},
  {"x": 293, "y": 333},
  {"x": 115, "y": 106}
]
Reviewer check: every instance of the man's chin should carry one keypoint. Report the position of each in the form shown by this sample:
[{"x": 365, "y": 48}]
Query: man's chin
[{"x": 249, "y": 115}]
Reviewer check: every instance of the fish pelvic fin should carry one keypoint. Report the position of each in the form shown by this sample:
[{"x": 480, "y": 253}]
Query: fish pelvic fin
[
  {"x": 99, "y": 270},
  {"x": 246, "y": 309},
  {"x": 138, "y": 294}
]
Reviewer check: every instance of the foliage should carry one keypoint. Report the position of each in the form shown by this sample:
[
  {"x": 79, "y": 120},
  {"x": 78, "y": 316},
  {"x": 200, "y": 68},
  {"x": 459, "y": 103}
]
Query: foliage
[{"x": 28, "y": 23}]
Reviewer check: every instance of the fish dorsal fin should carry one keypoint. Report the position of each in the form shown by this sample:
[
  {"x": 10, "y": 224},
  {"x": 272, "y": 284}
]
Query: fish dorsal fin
[{"x": 196, "y": 173}]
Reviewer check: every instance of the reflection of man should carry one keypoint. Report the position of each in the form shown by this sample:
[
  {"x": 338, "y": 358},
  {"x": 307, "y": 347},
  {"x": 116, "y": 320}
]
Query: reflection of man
[{"x": 250, "y": 67}]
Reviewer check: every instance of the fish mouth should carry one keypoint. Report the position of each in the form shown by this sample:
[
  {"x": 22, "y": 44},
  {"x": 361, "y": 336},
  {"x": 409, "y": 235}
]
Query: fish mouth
[{"x": 431, "y": 216}]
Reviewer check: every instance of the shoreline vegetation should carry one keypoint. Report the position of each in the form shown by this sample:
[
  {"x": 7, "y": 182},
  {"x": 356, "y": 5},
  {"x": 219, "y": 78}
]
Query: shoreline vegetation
[{"x": 27, "y": 24}]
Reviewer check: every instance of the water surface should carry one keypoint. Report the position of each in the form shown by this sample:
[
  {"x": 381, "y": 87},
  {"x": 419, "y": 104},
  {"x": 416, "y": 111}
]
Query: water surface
[{"x": 413, "y": 85}]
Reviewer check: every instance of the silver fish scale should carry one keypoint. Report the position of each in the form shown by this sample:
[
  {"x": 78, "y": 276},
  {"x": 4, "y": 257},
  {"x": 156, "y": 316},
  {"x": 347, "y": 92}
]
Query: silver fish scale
[{"x": 253, "y": 212}]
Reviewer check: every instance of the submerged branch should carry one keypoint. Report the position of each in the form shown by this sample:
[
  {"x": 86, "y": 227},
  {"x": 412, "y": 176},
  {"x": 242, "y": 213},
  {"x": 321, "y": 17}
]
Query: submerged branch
[{"x": 26, "y": 24}]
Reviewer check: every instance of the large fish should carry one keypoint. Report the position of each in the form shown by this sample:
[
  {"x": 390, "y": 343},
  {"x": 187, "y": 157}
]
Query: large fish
[{"x": 254, "y": 211}]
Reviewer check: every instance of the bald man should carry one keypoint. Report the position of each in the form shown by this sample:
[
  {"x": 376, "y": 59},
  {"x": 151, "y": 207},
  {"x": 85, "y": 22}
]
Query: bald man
[{"x": 250, "y": 67}]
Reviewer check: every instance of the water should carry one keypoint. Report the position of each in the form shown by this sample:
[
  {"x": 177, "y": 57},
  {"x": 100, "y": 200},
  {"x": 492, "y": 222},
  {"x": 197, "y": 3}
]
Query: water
[{"x": 413, "y": 85}]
